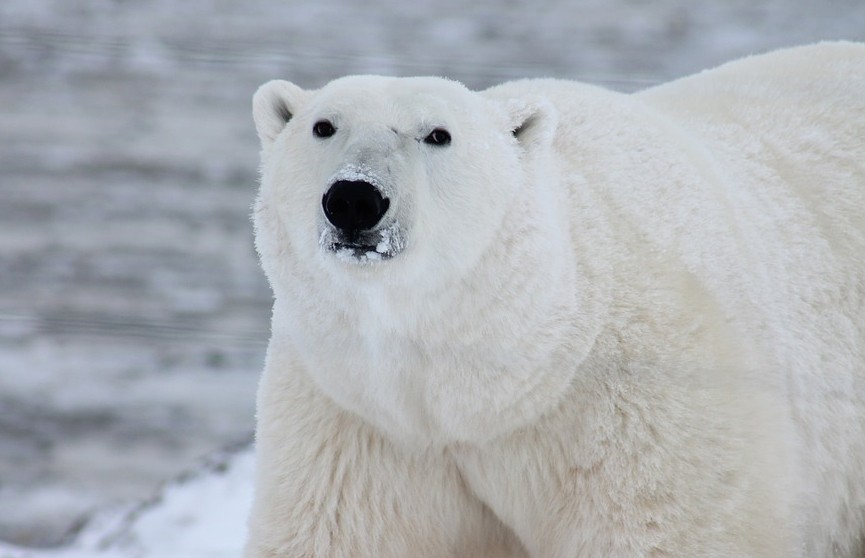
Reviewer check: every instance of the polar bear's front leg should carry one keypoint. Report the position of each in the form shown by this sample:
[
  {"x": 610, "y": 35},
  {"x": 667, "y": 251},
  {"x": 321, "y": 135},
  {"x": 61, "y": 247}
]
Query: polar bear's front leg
[
  {"x": 327, "y": 484},
  {"x": 636, "y": 469}
]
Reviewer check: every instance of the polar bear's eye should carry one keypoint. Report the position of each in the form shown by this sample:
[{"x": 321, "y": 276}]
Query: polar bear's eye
[
  {"x": 439, "y": 136},
  {"x": 323, "y": 129}
]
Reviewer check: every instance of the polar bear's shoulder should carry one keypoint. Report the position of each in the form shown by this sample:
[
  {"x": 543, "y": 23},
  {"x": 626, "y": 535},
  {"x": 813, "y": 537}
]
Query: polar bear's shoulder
[
  {"x": 827, "y": 60},
  {"x": 802, "y": 78},
  {"x": 827, "y": 71}
]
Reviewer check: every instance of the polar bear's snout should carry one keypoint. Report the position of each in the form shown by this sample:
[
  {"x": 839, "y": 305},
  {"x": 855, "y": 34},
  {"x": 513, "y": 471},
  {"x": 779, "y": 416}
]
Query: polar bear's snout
[
  {"x": 354, "y": 206},
  {"x": 359, "y": 221}
]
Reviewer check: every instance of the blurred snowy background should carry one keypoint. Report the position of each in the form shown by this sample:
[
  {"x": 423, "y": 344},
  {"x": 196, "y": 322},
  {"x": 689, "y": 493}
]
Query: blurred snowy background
[{"x": 133, "y": 317}]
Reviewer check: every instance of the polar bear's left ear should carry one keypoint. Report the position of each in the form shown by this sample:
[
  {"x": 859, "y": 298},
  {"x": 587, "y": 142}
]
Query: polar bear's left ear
[
  {"x": 532, "y": 120},
  {"x": 273, "y": 105}
]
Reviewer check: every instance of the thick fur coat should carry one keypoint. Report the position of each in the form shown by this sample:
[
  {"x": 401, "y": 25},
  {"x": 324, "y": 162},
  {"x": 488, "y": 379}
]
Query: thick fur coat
[{"x": 587, "y": 324}]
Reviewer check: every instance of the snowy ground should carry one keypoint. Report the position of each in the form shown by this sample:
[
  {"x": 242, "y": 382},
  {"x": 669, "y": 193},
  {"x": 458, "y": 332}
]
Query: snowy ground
[
  {"x": 199, "y": 515},
  {"x": 133, "y": 317}
]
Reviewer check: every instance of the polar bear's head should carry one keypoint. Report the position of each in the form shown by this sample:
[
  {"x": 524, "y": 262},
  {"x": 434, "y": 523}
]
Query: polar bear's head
[
  {"x": 407, "y": 177},
  {"x": 416, "y": 238}
]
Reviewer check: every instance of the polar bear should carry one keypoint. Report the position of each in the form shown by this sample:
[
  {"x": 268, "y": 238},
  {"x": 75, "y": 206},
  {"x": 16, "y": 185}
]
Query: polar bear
[{"x": 551, "y": 320}]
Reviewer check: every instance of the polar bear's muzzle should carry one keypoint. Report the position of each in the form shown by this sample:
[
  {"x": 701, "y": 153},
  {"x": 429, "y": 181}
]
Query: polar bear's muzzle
[{"x": 354, "y": 209}]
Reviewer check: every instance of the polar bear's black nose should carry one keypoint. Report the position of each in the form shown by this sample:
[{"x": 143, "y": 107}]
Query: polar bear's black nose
[{"x": 354, "y": 205}]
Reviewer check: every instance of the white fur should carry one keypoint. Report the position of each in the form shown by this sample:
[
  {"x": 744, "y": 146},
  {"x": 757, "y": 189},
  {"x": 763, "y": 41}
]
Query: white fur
[{"x": 635, "y": 327}]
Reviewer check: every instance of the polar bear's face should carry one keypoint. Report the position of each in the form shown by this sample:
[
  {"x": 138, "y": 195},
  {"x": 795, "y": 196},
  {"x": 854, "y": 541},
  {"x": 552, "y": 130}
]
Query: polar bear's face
[
  {"x": 412, "y": 232},
  {"x": 372, "y": 173}
]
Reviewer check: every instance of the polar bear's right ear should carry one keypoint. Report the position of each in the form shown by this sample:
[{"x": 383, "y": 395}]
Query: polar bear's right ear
[{"x": 273, "y": 105}]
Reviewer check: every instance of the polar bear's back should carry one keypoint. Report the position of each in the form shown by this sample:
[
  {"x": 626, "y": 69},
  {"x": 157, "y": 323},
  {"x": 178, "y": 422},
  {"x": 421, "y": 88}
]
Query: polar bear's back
[
  {"x": 799, "y": 115},
  {"x": 786, "y": 132}
]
